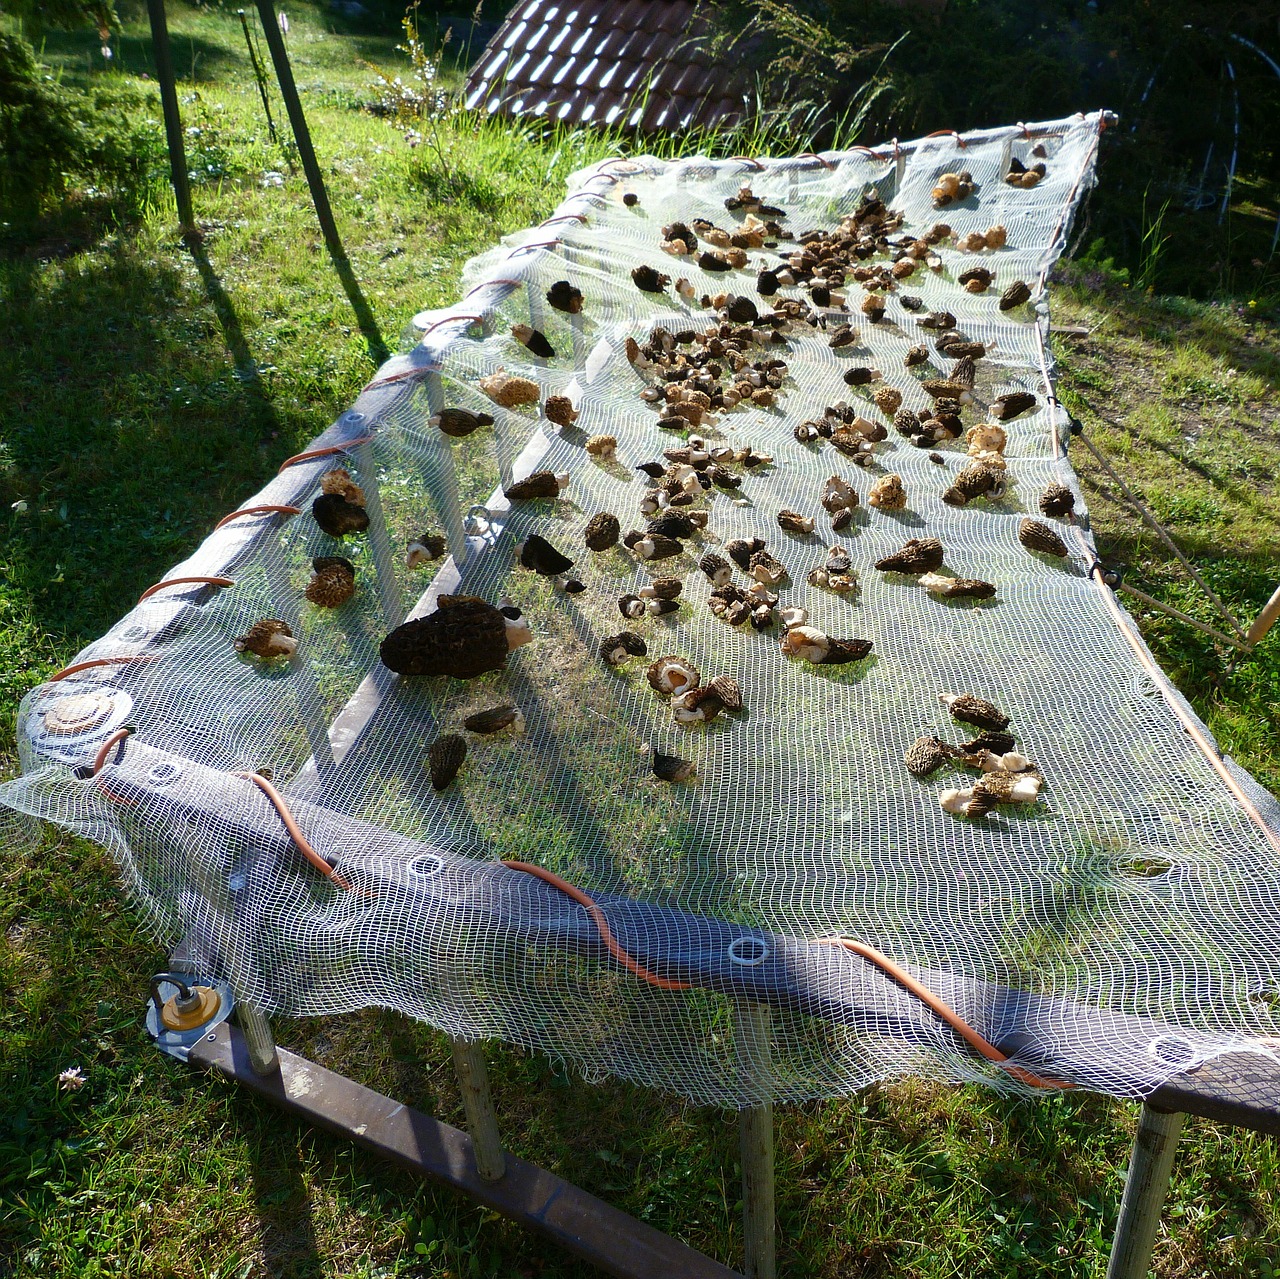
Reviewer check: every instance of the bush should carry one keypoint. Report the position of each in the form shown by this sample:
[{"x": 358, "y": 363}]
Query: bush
[
  {"x": 57, "y": 143},
  {"x": 41, "y": 139}
]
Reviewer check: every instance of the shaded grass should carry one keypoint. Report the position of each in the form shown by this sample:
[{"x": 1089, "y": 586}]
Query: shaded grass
[{"x": 148, "y": 392}]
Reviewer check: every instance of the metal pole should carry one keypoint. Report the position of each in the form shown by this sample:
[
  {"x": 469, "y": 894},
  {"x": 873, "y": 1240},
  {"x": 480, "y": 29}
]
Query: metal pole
[
  {"x": 1144, "y": 1192},
  {"x": 258, "y": 1039},
  {"x": 379, "y": 541},
  {"x": 482, "y": 1121},
  {"x": 753, "y": 1030},
  {"x": 172, "y": 120}
]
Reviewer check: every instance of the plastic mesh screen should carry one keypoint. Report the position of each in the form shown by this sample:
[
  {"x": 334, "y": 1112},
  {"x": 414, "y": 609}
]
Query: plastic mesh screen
[{"x": 1118, "y": 929}]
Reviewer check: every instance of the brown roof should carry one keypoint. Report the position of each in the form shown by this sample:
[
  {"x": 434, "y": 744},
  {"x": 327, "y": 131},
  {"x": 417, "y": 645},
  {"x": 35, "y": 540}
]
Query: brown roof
[{"x": 638, "y": 64}]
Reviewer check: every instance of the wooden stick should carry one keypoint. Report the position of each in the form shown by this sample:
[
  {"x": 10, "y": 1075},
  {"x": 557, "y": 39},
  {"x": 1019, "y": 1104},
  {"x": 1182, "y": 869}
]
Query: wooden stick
[
  {"x": 172, "y": 119},
  {"x": 258, "y": 1039},
  {"x": 1183, "y": 617},
  {"x": 753, "y": 1030},
  {"x": 1144, "y": 1192},
  {"x": 1265, "y": 620},
  {"x": 311, "y": 167},
  {"x": 482, "y": 1119},
  {"x": 1152, "y": 523}
]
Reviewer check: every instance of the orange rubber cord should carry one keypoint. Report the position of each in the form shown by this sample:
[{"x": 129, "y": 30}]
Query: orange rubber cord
[
  {"x": 602, "y": 925},
  {"x": 67, "y": 671},
  {"x": 257, "y": 510},
  {"x": 450, "y": 319},
  {"x": 826, "y": 164},
  {"x": 948, "y": 1014},
  {"x": 295, "y": 831},
  {"x": 100, "y": 760},
  {"x": 407, "y": 375},
  {"x": 185, "y": 581},
  {"x": 749, "y": 160},
  {"x": 537, "y": 244},
  {"x": 948, "y": 133},
  {"x": 564, "y": 217},
  {"x": 325, "y": 452},
  {"x": 484, "y": 284}
]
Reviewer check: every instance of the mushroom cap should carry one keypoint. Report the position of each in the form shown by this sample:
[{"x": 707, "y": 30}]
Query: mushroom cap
[
  {"x": 1057, "y": 499},
  {"x": 673, "y": 674},
  {"x": 333, "y": 583},
  {"x": 559, "y": 409},
  {"x": 509, "y": 391},
  {"x": 337, "y": 516},
  {"x": 445, "y": 758},
  {"x": 615, "y": 649},
  {"x": 340, "y": 482},
  {"x": 494, "y": 719},
  {"x": 972, "y": 709},
  {"x": 538, "y": 554},
  {"x": 1036, "y": 536},
  {"x": 268, "y": 637},
  {"x": 459, "y": 422},
  {"x": 918, "y": 555},
  {"x": 925, "y": 755},
  {"x": 602, "y": 531},
  {"x": 463, "y": 638},
  {"x": 540, "y": 484}
]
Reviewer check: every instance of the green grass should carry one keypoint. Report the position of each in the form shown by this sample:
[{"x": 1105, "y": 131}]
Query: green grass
[{"x": 148, "y": 389}]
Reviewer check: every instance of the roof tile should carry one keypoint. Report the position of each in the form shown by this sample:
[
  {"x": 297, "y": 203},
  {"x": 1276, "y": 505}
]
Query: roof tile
[{"x": 637, "y": 63}]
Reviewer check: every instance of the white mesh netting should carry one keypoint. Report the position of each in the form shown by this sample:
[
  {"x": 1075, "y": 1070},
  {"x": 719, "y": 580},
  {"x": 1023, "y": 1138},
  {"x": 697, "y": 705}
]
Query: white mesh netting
[{"x": 1114, "y": 931}]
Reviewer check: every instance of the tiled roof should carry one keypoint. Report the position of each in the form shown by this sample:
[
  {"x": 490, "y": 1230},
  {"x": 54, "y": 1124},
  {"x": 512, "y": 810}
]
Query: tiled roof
[{"x": 638, "y": 64}]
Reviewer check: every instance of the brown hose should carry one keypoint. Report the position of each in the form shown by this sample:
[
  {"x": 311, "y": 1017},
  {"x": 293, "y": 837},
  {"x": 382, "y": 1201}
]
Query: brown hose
[
  {"x": 602, "y": 924},
  {"x": 946, "y": 1012},
  {"x": 295, "y": 831}
]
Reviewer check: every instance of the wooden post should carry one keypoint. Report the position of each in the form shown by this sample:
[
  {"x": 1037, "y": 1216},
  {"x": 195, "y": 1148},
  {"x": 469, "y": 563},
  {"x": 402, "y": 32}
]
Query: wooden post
[
  {"x": 258, "y": 1039},
  {"x": 1265, "y": 620},
  {"x": 753, "y": 1031},
  {"x": 379, "y": 540},
  {"x": 482, "y": 1121},
  {"x": 172, "y": 119},
  {"x": 315, "y": 182},
  {"x": 1144, "y": 1192}
]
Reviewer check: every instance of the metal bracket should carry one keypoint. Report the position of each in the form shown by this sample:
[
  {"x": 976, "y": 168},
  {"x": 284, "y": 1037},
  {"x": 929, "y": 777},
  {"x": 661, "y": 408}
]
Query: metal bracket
[{"x": 178, "y": 1043}]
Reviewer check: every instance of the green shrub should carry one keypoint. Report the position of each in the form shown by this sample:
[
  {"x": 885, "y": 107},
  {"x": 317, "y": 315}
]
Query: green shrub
[
  {"x": 42, "y": 139},
  {"x": 57, "y": 143}
]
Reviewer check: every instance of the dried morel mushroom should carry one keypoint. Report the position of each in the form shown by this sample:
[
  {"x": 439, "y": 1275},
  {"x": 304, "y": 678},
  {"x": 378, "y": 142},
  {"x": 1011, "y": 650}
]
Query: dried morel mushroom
[
  {"x": 540, "y": 484},
  {"x": 422, "y": 550},
  {"x": 333, "y": 581},
  {"x": 918, "y": 555},
  {"x": 615, "y": 649},
  {"x": 464, "y": 637},
  {"x": 647, "y": 280},
  {"x": 538, "y": 554},
  {"x": 559, "y": 409},
  {"x": 340, "y": 482},
  {"x": 957, "y": 587},
  {"x": 602, "y": 531},
  {"x": 508, "y": 390},
  {"x": 445, "y": 758},
  {"x": 1006, "y": 407},
  {"x": 972, "y": 709},
  {"x": 925, "y": 755},
  {"x": 534, "y": 340},
  {"x": 671, "y": 768},
  {"x": 1057, "y": 499},
  {"x": 494, "y": 719},
  {"x": 338, "y": 517},
  {"x": 268, "y": 638},
  {"x": 565, "y": 297},
  {"x": 459, "y": 422},
  {"x": 1036, "y": 536},
  {"x": 1015, "y": 295}
]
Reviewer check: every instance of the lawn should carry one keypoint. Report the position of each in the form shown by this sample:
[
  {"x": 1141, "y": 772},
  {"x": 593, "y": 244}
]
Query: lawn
[{"x": 149, "y": 386}]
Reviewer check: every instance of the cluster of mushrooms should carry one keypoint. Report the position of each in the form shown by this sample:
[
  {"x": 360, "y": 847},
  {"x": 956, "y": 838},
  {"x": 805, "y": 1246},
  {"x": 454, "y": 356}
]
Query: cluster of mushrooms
[
  {"x": 691, "y": 375},
  {"x": 1007, "y": 775}
]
